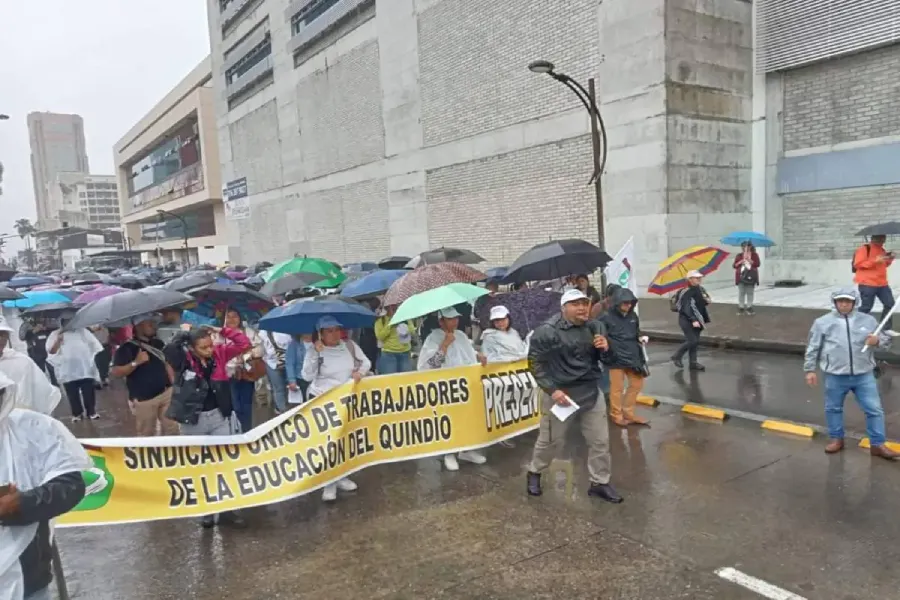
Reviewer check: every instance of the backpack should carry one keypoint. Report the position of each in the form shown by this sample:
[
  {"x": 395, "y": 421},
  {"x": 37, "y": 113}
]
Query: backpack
[
  {"x": 853, "y": 260},
  {"x": 675, "y": 301},
  {"x": 748, "y": 276}
]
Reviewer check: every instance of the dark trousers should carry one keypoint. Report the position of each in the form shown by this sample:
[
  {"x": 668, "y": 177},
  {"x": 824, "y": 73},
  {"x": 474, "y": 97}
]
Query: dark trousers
[
  {"x": 82, "y": 397},
  {"x": 242, "y": 402},
  {"x": 41, "y": 362},
  {"x": 102, "y": 360},
  {"x": 691, "y": 340},
  {"x": 867, "y": 295}
]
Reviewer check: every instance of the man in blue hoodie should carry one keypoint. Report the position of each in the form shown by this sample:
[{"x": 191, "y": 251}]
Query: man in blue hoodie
[{"x": 838, "y": 345}]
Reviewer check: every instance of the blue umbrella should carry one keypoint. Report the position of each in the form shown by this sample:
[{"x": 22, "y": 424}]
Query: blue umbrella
[
  {"x": 303, "y": 315},
  {"x": 496, "y": 274},
  {"x": 27, "y": 281},
  {"x": 33, "y": 299},
  {"x": 737, "y": 238},
  {"x": 371, "y": 285}
]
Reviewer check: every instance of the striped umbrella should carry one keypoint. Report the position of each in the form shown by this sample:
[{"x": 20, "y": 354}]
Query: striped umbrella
[
  {"x": 428, "y": 278},
  {"x": 672, "y": 274}
]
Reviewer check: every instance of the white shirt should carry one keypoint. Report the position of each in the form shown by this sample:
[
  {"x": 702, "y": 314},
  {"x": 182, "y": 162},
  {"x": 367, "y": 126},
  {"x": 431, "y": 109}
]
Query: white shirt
[
  {"x": 335, "y": 367},
  {"x": 75, "y": 358},
  {"x": 282, "y": 339}
]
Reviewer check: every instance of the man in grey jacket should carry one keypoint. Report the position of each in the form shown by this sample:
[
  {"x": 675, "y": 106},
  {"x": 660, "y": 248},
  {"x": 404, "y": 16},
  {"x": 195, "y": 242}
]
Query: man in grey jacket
[{"x": 837, "y": 343}]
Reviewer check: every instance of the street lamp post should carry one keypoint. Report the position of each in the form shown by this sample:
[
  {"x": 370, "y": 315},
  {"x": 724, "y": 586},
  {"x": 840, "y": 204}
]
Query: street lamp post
[
  {"x": 588, "y": 98},
  {"x": 184, "y": 225}
]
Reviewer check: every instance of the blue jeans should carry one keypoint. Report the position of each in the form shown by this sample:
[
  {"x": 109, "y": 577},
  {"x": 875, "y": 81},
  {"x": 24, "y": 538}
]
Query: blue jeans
[
  {"x": 867, "y": 295},
  {"x": 865, "y": 389},
  {"x": 242, "y": 402},
  {"x": 278, "y": 381},
  {"x": 394, "y": 362}
]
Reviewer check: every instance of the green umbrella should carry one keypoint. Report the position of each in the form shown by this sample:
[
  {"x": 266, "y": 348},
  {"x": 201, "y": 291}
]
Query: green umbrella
[
  {"x": 305, "y": 264},
  {"x": 437, "y": 299}
]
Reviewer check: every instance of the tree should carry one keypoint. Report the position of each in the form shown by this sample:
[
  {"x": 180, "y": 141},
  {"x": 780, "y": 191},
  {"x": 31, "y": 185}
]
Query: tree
[{"x": 25, "y": 230}]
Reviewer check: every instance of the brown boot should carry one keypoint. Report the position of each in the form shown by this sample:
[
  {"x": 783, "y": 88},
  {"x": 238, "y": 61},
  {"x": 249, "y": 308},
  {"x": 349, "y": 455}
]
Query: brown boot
[
  {"x": 620, "y": 421},
  {"x": 834, "y": 445},
  {"x": 636, "y": 420},
  {"x": 884, "y": 452}
]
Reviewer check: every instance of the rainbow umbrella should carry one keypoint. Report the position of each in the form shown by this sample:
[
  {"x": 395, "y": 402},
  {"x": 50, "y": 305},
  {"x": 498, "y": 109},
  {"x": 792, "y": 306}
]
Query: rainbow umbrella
[{"x": 672, "y": 274}]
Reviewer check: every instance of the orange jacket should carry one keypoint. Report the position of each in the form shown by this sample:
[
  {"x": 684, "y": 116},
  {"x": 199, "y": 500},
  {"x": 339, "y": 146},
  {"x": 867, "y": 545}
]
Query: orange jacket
[{"x": 868, "y": 270}]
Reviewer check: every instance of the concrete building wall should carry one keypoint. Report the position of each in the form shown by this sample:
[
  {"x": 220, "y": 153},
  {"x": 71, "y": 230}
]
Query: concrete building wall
[
  {"x": 255, "y": 148},
  {"x": 57, "y": 146}
]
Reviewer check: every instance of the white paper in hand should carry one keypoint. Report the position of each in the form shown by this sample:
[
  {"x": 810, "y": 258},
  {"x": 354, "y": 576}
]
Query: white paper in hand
[
  {"x": 564, "y": 412},
  {"x": 295, "y": 397}
]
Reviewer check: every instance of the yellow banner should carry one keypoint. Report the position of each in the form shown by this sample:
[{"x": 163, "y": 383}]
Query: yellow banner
[{"x": 379, "y": 420}]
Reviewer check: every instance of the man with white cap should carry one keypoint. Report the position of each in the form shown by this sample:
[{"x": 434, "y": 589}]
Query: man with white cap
[
  {"x": 32, "y": 390},
  {"x": 447, "y": 347},
  {"x": 40, "y": 479},
  {"x": 690, "y": 304},
  {"x": 837, "y": 345},
  {"x": 564, "y": 357}
]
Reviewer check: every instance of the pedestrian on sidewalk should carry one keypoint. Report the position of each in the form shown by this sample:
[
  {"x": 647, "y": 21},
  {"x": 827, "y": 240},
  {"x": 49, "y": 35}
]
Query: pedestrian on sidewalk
[
  {"x": 870, "y": 265},
  {"x": 691, "y": 304},
  {"x": 563, "y": 355},
  {"x": 148, "y": 378},
  {"x": 837, "y": 342},
  {"x": 446, "y": 347},
  {"x": 746, "y": 277},
  {"x": 71, "y": 354},
  {"x": 627, "y": 367}
]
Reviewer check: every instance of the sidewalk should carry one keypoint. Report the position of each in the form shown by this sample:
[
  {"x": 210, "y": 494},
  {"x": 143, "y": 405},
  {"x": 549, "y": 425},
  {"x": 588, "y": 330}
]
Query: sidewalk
[{"x": 781, "y": 323}]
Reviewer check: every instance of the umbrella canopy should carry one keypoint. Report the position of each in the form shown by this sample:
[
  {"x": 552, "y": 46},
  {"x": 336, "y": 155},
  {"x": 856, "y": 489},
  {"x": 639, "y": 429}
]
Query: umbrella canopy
[
  {"x": 237, "y": 275},
  {"x": 437, "y": 299},
  {"x": 393, "y": 262},
  {"x": 97, "y": 293},
  {"x": 89, "y": 277},
  {"x": 889, "y": 228},
  {"x": 214, "y": 299},
  {"x": 736, "y": 238},
  {"x": 496, "y": 274},
  {"x": 129, "y": 280},
  {"x": 430, "y": 277},
  {"x": 673, "y": 271},
  {"x": 28, "y": 281},
  {"x": 259, "y": 267},
  {"x": 372, "y": 284},
  {"x": 290, "y": 283},
  {"x": 302, "y": 316},
  {"x": 555, "y": 259},
  {"x": 195, "y": 279},
  {"x": 50, "y": 310},
  {"x": 127, "y": 305},
  {"x": 527, "y": 307},
  {"x": 317, "y": 266},
  {"x": 360, "y": 267},
  {"x": 32, "y": 299},
  {"x": 254, "y": 282},
  {"x": 442, "y": 255},
  {"x": 9, "y": 294}
]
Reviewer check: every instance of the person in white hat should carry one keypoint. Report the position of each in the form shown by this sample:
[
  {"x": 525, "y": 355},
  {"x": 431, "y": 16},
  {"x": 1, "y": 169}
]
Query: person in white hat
[
  {"x": 501, "y": 342},
  {"x": 690, "y": 303},
  {"x": 444, "y": 347},
  {"x": 32, "y": 390}
]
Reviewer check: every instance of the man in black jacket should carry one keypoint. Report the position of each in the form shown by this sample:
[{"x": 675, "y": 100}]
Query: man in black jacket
[
  {"x": 563, "y": 356},
  {"x": 623, "y": 330},
  {"x": 42, "y": 450}
]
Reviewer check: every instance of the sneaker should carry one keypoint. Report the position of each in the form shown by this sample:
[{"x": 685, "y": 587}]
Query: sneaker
[
  {"x": 751, "y": 312},
  {"x": 740, "y": 311},
  {"x": 208, "y": 522},
  {"x": 606, "y": 492},
  {"x": 892, "y": 333},
  {"x": 534, "y": 484},
  {"x": 329, "y": 494},
  {"x": 347, "y": 485},
  {"x": 677, "y": 362},
  {"x": 697, "y": 367},
  {"x": 473, "y": 456},
  {"x": 77, "y": 419},
  {"x": 450, "y": 463},
  {"x": 94, "y": 417}
]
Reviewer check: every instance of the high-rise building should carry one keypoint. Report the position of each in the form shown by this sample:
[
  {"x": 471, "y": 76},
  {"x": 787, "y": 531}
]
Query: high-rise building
[
  {"x": 79, "y": 200},
  {"x": 57, "y": 145}
]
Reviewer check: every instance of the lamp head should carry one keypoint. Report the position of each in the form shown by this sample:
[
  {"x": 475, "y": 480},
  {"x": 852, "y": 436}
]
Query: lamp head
[{"x": 543, "y": 67}]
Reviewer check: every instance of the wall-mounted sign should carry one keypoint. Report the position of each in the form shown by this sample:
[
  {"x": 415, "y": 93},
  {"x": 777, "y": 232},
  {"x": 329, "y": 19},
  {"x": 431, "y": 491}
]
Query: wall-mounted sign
[{"x": 237, "y": 204}]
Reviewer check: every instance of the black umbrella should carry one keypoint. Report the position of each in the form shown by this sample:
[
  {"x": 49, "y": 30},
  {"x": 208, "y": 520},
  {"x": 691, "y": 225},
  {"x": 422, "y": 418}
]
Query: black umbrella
[
  {"x": 192, "y": 280},
  {"x": 9, "y": 294},
  {"x": 54, "y": 309},
  {"x": 889, "y": 228},
  {"x": 125, "y": 306},
  {"x": 393, "y": 262},
  {"x": 83, "y": 278},
  {"x": 442, "y": 255},
  {"x": 254, "y": 283},
  {"x": 291, "y": 282},
  {"x": 559, "y": 258}
]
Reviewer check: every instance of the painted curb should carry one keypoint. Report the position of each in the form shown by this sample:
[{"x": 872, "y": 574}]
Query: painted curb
[
  {"x": 648, "y": 401},
  {"x": 865, "y": 445},
  {"x": 788, "y": 427},
  {"x": 704, "y": 411}
]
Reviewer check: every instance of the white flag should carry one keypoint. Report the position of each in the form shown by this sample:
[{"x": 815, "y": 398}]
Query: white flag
[{"x": 621, "y": 270}]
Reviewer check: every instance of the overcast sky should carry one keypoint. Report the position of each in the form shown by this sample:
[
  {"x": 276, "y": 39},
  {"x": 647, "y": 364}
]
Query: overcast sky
[{"x": 108, "y": 60}]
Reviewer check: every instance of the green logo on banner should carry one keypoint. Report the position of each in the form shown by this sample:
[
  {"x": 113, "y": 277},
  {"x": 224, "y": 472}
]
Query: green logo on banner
[
  {"x": 624, "y": 278},
  {"x": 99, "y": 483}
]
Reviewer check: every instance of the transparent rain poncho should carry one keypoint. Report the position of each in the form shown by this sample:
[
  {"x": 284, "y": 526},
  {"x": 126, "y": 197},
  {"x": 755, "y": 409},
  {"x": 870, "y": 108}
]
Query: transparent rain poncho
[
  {"x": 32, "y": 389},
  {"x": 460, "y": 353},
  {"x": 34, "y": 449}
]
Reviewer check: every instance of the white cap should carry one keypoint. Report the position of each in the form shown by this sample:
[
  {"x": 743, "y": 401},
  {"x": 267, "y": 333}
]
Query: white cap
[
  {"x": 499, "y": 312},
  {"x": 449, "y": 313},
  {"x": 693, "y": 274},
  {"x": 4, "y": 325},
  {"x": 572, "y": 296},
  {"x": 843, "y": 296}
]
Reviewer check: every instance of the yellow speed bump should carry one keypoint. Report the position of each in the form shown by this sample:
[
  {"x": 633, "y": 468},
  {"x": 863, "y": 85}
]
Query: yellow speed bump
[
  {"x": 788, "y": 427},
  {"x": 864, "y": 443},
  {"x": 648, "y": 401},
  {"x": 704, "y": 411}
]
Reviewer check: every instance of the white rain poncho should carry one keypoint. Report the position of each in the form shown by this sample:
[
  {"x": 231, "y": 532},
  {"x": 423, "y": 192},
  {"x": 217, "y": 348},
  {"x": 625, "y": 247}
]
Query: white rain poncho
[
  {"x": 34, "y": 449},
  {"x": 75, "y": 358},
  {"x": 503, "y": 346},
  {"x": 32, "y": 390},
  {"x": 460, "y": 353}
]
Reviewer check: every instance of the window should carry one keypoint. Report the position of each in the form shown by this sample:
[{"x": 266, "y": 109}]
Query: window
[
  {"x": 309, "y": 13},
  {"x": 164, "y": 161},
  {"x": 255, "y": 56}
]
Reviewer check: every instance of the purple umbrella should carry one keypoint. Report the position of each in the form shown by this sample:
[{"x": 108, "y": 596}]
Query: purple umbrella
[
  {"x": 528, "y": 308},
  {"x": 97, "y": 293}
]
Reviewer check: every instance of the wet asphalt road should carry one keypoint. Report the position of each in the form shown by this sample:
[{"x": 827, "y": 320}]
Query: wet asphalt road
[{"x": 699, "y": 496}]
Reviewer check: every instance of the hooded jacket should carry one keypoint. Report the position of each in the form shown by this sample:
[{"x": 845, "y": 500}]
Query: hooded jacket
[
  {"x": 623, "y": 332},
  {"x": 836, "y": 341}
]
